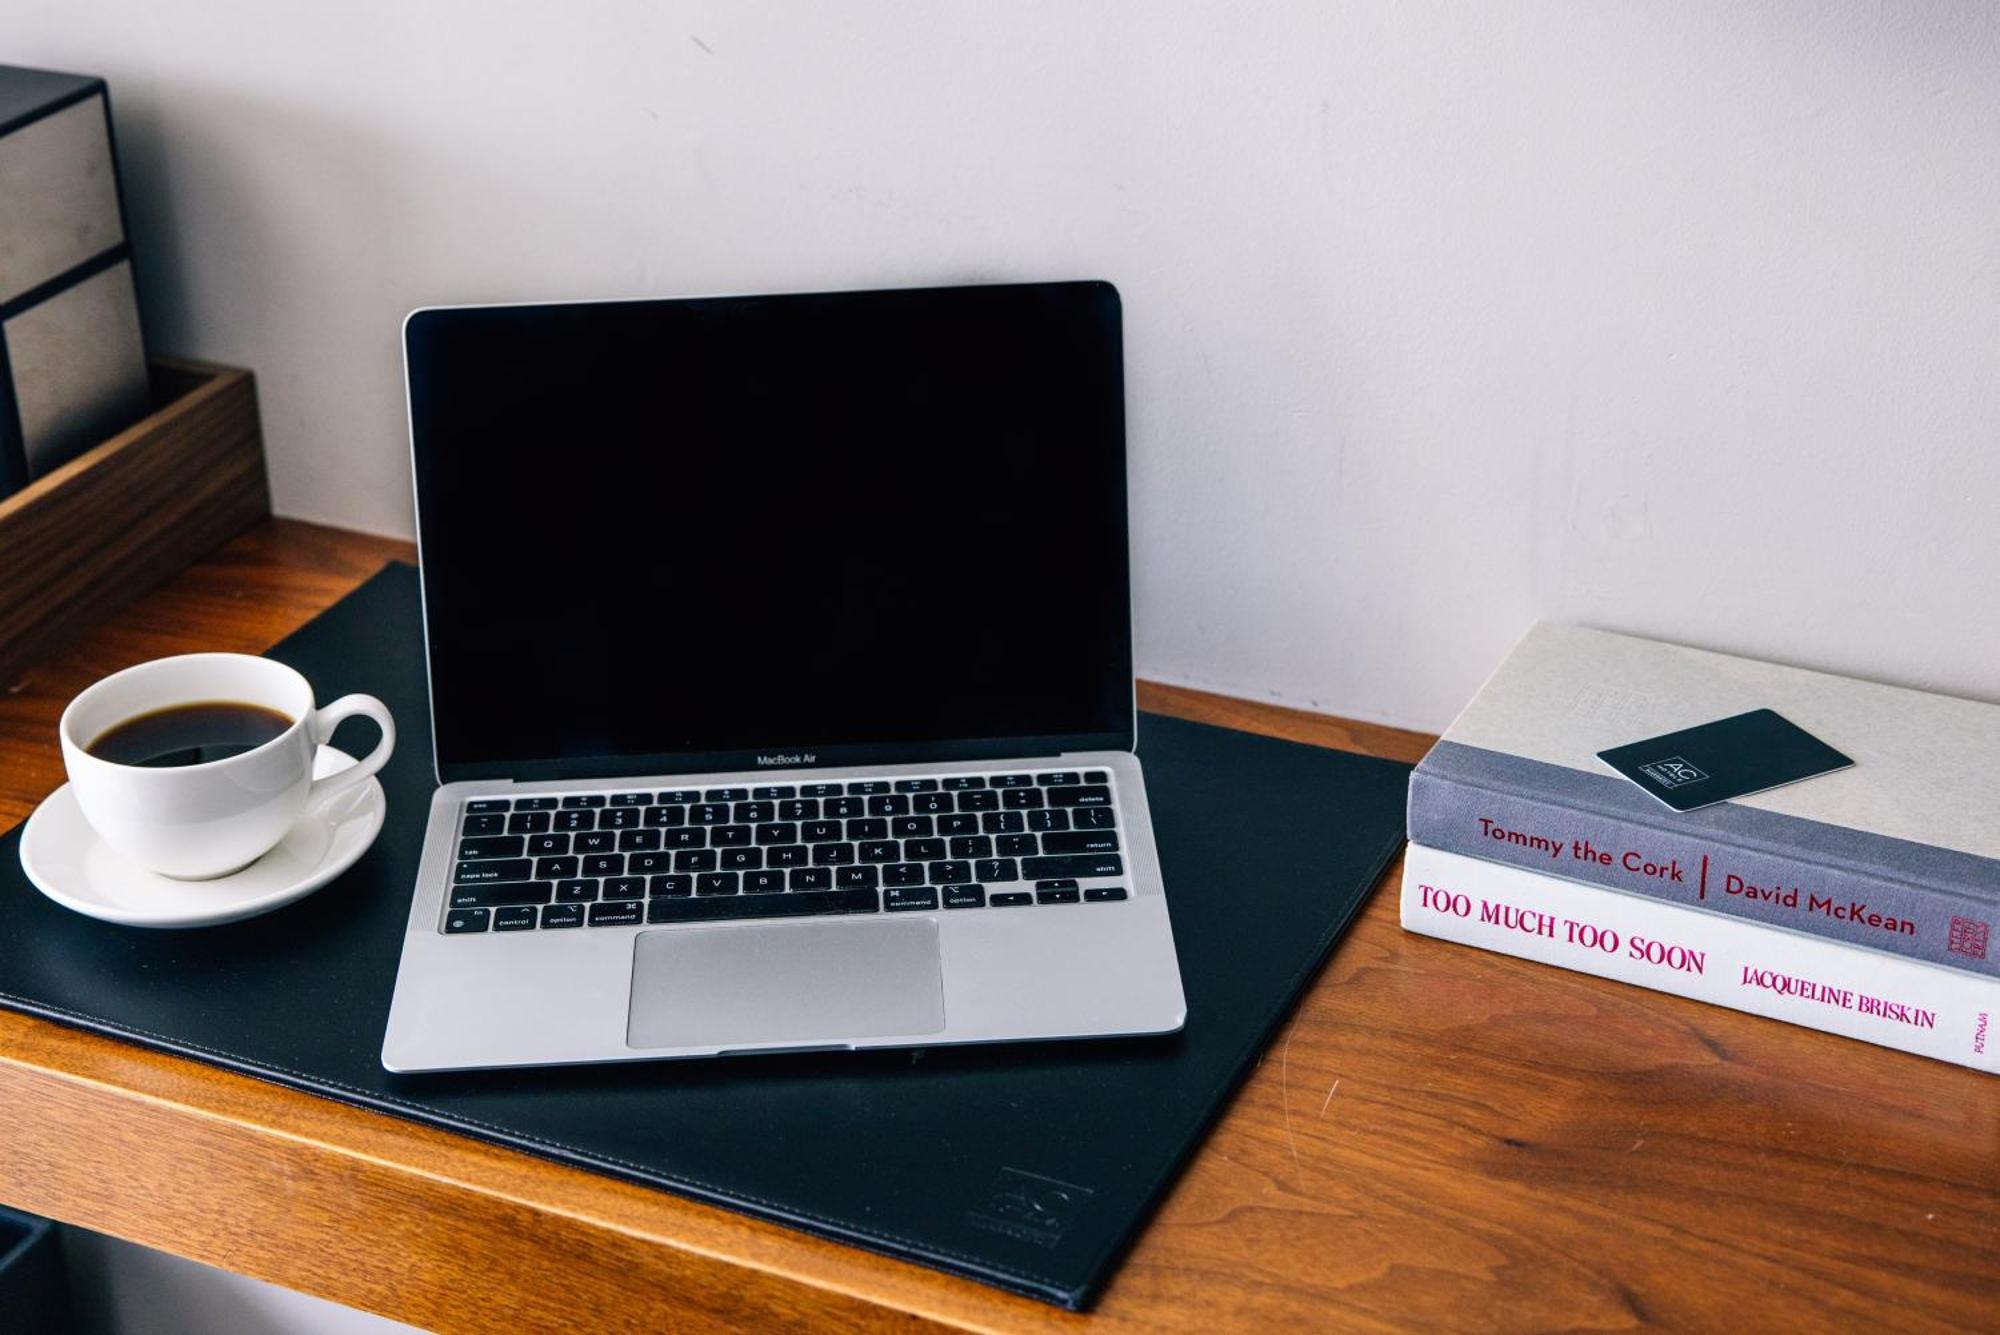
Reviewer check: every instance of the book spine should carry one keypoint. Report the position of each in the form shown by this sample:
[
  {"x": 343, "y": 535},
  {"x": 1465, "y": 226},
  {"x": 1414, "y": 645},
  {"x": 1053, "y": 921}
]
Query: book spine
[
  {"x": 1769, "y": 971},
  {"x": 1695, "y": 868}
]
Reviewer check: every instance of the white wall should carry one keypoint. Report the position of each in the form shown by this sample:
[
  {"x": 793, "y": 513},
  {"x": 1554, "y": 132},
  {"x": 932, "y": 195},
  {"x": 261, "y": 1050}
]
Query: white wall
[{"x": 1675, "y": 318}]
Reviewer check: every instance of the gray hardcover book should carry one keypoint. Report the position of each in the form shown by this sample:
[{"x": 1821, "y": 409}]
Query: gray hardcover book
[{"x": 1900, "y": 852}]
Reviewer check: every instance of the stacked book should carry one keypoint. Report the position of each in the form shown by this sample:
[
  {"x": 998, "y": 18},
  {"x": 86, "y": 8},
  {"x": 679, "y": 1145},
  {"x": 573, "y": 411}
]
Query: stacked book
[{"x": 1860, "y": 901}]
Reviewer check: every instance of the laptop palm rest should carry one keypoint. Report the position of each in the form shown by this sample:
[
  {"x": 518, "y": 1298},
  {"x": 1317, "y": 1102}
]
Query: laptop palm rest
[{"x": 792, "y": 983}]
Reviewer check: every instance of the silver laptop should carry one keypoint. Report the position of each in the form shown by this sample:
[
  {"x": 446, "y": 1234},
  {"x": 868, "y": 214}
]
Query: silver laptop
[{"x": 780, "y": 665}]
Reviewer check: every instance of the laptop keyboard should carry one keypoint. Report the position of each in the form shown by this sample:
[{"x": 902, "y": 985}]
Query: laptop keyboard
[{"x": 960, "y": 841}]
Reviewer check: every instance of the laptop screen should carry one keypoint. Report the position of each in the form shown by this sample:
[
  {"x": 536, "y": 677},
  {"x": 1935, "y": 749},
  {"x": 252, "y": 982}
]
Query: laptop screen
[{"x": 750, "y": 532}]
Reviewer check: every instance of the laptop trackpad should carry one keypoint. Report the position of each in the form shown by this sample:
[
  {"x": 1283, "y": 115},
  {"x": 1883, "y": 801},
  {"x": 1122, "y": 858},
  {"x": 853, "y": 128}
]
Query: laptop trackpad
[{"x": 793, "y": 983}]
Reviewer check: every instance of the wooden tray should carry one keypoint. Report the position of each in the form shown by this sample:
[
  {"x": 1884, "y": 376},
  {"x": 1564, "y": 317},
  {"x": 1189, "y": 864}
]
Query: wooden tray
[{"x": 84, "y": 540}]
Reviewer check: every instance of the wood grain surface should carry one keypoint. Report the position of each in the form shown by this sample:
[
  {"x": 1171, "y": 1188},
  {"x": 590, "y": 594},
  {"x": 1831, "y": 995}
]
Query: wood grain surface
[
  {"x": 90, "y": 536},
  {"x": 1439, "y": 1139}
]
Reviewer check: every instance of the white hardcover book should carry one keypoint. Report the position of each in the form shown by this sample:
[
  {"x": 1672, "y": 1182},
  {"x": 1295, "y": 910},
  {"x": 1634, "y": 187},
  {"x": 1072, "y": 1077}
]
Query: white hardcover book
[{"x": 1786, "y": 975}]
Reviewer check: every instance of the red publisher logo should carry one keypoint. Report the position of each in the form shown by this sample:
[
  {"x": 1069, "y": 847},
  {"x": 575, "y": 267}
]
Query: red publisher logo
[{"x": 1968, "y": 938}]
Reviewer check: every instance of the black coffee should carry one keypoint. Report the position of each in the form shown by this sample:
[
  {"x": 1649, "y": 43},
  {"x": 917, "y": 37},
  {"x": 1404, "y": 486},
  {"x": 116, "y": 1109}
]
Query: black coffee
[{"x": 191, "y": 734}]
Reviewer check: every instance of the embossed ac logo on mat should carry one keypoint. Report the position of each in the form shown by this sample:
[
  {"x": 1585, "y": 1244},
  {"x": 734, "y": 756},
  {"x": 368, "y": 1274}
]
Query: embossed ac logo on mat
[{"x": 1029, "y": 1207}]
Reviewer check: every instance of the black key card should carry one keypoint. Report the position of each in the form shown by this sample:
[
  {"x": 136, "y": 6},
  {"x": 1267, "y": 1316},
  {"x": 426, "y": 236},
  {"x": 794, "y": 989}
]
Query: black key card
[{"x": 1713, "y": 762}]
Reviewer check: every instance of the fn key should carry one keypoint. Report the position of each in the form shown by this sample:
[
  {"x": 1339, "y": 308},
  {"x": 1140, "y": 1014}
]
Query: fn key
[{"x": 467, "y": 920}]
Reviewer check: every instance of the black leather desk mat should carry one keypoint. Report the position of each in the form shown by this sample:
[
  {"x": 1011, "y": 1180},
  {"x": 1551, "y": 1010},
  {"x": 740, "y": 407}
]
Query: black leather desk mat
[{"x": 1029, "y": 1167}]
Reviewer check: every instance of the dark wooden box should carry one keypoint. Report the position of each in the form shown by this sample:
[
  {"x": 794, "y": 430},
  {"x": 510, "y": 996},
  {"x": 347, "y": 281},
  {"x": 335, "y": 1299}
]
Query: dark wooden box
[{"x": 80, "y": 542}]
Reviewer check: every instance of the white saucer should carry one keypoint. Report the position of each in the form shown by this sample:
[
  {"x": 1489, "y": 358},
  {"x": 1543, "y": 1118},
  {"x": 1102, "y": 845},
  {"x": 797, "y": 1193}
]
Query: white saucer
[{"x": 68, "y": 862}]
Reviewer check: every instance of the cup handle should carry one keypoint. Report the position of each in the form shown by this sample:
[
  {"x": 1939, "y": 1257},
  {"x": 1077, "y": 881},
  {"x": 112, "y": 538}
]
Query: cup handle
[{"x": 324, "y": 721}]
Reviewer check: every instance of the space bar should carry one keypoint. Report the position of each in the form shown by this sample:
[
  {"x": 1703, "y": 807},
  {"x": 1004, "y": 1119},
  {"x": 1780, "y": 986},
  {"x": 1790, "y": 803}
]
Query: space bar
[{"x": 798, "y": 903}]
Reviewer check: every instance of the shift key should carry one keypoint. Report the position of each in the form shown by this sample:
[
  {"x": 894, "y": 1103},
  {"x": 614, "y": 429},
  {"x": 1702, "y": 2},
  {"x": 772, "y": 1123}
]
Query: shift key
[
  {"x": 493, "y": 869},
  {"x": 1072, "y": 868}
]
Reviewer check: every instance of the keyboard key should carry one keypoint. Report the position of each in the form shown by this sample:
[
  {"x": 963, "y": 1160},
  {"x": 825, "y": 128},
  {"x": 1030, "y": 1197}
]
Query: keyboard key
[
  {"x": 774, "y": 792},
  {"x": 856, "y": 878},
  {"x": 495, "y": 896},
  {"x": 500, "y": 869},
  {"x": 916, "y": 785},
  {"x": 1098, "y": 776},
  {"x": 1002, "y": 822},
  {"x": 740, "y": 859},
  {"x": 467, "y": 920},
  {"x": 820, "y": 831},
  {"x": 695, "y": 859},
  {"x": 778, "y": 832},
  {"x": 965, "y": 896},
  {"x": 528, "y": 822},
  {"x": 838, "y": 808},
  {"x": 868, "y": 787},
  {"x": 889, "y": 804},
  {"x": 997, "y": 869},
  {"x": 1068, "y": 896},
  {"x": 547, "y": 845},
  {"x": 645, "y": 864},
  {"x": 685, "y": 836},
  {"x": 577, "y": 891},
  {"x": 1015, "y": 845},
  {"x": 962, "y": 823},
  {"x": 534, "y": 804},
  {"x": 625, "y": 887},
  {"x": 1048, "y": 818},
  {"x": 1089, "y": 795},
  {"x": 604, "y": 864},
  {"x": 576, "y": 820},
  {"x": 1101, "y": 894},
  {"x": 579, "y": 801},
  {"x": 763, "y": 906},
  {"x": 868, "y": 827},
  {"x": 1081, "y": 841},
  {"x": 812, "y": 878},
  {"x": 497, "y": 846},
  {"x": 1013, "y": 781},
  {"x": 630, "y": 799},
  {"x": 1010, "y": 899},
  {"x": 726, "y": 795},
  {"x": 482, "y": 805},
  {"x": 660, "y": 817},
  {"x": 881, "y": 850},
  {"x": 638, "y": 841},
  {"x": 520, "y": 918},
  {"x": 617, "y": 915},
  {"x": 785, "y": 855},
  {"x": 678, "y": 797},
  {"x": 715, "y": 883},
  {"x": 925, "y": 850},
  {"x": 750, "y": 813},
  {"x": 1089, "y": 864},
  {"x": 493, "y": 824},
  {"x": 910, "y": 827},
  {"x": 947, "y": 873},
  {"x": 594, "y": 841},
  {"x": 932, "y": 804},
  {"x": 554, "y": 869},
  {"x": 617, "y": 818},
  {"x": 1094, "y": 818},
  {"x": 958, "y": 783},
  {"x": 1020, "y": 799},
  {"x": 820, "y": 790},
  {"x": 763, "y": 882},
  {"x": 670, "y": 887},
  {"x": 986, "y": 801},
  {"x": 832, "y": 855},
  {"x": 907, "y": 899},
  {"x": 972, "y": 846},
  {"x": 1067, "y": 777},
  {"x": 709, "y": 813},
  {"x": 800, "y": 808},
  {"x": 903, "y": 873},
  {"x": 728, "y": 836},
  {"x": 562, "y": 915}
]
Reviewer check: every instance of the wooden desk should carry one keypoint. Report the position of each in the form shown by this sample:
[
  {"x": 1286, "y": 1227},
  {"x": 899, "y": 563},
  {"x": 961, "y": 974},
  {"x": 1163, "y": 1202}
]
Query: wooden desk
[{"x": 1439, "y": 1139}]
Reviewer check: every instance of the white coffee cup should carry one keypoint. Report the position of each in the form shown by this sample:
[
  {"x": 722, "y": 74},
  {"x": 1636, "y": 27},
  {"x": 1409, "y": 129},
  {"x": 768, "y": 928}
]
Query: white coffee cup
[{"x": 206, "y": 820}]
